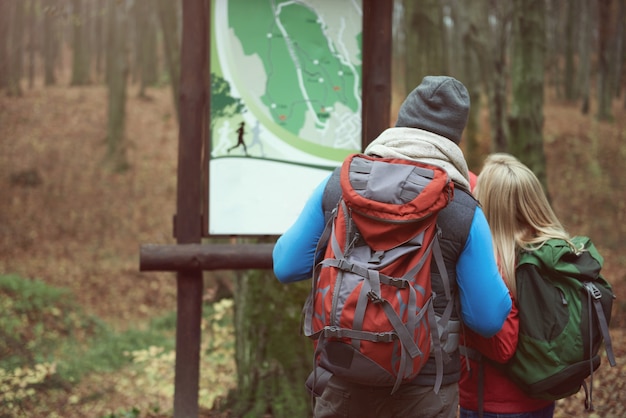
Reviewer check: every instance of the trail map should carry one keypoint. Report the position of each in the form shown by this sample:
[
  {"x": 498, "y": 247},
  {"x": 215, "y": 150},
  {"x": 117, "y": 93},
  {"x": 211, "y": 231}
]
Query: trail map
[{"x": 285, "y": 107}]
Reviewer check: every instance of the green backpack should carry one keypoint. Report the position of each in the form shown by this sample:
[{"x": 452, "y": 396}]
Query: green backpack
[{"x": 564, "y": 312}]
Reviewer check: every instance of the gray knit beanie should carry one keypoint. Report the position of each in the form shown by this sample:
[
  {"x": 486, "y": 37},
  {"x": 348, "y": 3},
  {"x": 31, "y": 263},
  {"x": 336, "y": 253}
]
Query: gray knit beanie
[{"x": 440, "y": 105}]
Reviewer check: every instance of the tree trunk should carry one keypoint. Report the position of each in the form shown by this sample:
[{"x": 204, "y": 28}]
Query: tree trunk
[
  {"x": 32, "y": 41},
  {"x": 424, "y": 41},
  {"x": 584, "y": 54},
  {"x": 617, "y": 58},
  {"x": 273, "y": 358},
  {"x": 453, "y": 39},
  {"x": 398, "y": 60},
  {"x": 145, "y": 46},
  {"x": 490, "y": 44},
  {"x": 50, "y": 41},
  {"x": 555, "y": 16},
  {"x": 605, "y": 37},
  {"x": 5, "y": 30},
  {"x": 527, "y": 78},
  {"x": 117, "y": 82},
  {"x": 16, "y": 50},
  {"x": 570, "y": 38},
  {"x": 99, "y": 43},
  {"x": 80, "y": 63},
  {"x": 470, "y": 68},
  {"x": 168, "y": 16}
]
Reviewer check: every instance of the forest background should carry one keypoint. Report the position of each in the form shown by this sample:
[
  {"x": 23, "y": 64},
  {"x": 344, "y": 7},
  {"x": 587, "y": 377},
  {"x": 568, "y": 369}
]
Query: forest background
[{"x": 88, "y": 160}]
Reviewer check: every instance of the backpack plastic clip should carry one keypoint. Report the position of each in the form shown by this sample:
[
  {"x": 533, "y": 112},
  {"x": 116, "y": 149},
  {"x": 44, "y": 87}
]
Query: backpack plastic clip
[
  {"x": 345, "y": 265},
  {"x": 332, "y": 331},
  {"x": 375, "y": 298},
  {"x": 385, "y": 337},
  {"x": 399, "y": 283},
  {"x": 593, "y": 290}
]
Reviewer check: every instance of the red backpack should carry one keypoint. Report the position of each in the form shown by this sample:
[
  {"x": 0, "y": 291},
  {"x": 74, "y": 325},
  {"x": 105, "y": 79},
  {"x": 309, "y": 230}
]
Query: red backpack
[{"x": 370, "y": 310}]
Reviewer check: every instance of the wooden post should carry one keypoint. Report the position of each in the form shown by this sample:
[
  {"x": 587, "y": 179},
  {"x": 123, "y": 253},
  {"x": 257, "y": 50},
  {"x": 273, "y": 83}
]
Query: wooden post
[
  {"x": 187, "y": 222},
  {"x": 189, "y": 257},
  {"x": 377, "y": 44}
]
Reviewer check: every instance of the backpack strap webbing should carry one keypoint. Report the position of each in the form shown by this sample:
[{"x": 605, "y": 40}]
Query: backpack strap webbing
[
  {"x": 332, "y": 193},
  {"x": 440, "y": 355},
  {"x": 477, "y": 356},
  {"x": 593, "y": 298},
  {"x": 306, "y": 325}
]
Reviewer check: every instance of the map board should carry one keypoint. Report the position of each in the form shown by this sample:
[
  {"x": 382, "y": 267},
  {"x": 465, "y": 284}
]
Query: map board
[{"x": 285, "y": 107}]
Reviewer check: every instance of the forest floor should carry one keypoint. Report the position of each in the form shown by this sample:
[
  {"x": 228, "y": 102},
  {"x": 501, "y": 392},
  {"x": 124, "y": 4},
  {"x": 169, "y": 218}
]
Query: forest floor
[{"x": 69, "y": 221}]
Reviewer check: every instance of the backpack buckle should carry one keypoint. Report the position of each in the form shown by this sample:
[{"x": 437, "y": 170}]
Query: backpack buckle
[
  {"x": 399, "y": 283},
  {"x": 374, "y": 297},
  {"x": 385, "y": 337},
  {"x": 593, "y": 290},
  {"x": 332, "y": 331},
  {"x": 345, "y": 265}
]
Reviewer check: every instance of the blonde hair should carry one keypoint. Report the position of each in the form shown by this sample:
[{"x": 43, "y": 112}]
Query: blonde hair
[{"x": 517, "y": 210}]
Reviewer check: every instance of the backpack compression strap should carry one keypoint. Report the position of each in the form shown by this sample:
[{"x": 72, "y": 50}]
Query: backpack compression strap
[
  {"x": 593, "y": 298},
  {"x": 471, "y": 353}
]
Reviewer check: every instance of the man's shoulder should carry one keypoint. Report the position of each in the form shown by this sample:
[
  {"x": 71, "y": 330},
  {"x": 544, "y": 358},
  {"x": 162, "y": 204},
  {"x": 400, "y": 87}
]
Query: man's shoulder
[
  {"x": 456, "y": 219},
  {"x": 332, "y": 192},
  {"x": 463, "y": 199}
]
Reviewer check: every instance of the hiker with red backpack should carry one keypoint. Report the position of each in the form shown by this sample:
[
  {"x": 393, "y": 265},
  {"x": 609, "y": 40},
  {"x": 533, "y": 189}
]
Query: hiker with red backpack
[
  {"x": 542, "y": 352},
  {"x": 400, "y": 253}
]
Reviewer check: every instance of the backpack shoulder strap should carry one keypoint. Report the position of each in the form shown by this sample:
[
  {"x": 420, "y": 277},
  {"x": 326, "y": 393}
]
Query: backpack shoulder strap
[
  {"x": 332, "y": 194},
  {"x": 593, "y": 298}
]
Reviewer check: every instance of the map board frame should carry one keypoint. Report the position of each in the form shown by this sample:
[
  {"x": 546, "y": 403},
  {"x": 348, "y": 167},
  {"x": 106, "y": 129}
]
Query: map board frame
[{"x": 298, "y": 164}]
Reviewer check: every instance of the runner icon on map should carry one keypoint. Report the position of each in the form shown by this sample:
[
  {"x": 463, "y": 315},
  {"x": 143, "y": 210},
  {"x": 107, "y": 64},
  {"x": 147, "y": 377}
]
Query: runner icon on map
[
  {"x": 256, "y": 138},
  {"x": 240, "y": 131}
]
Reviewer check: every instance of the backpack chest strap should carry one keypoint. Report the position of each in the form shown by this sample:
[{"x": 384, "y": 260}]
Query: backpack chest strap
[{"x": 349, "y": 267}]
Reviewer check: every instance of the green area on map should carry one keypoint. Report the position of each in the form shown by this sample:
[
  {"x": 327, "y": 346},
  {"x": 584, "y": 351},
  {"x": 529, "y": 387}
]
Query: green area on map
[{"x": 303, "y": 73}]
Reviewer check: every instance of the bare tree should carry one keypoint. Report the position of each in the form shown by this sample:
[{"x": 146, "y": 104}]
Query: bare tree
[
  {"x": 117, "y": 63},
  {"x": 5, "y": 28},
  {"x": 584, "y": 53},
  {"x": 99, "y": 37},
  {"x": 469, "y": 67},
  {"x": 556, "y": 14},
  {"x": 571, "y": 40},
  {"x": 617, "y": 57},
  {"x": 488, "y": 35},
  {"x": 146, "y": 64},
  {"x": 16, "y": 49},
  {"x": 606, "y": 35},
  {"x": 527, "y": 79},
  {"x": 169, "y": 18},
  {"x": 80, "y": 63},
  {"x": 51, "y": 47},
  {"x": 32, "y": 46},
  {"x": 424, "y": 40}
]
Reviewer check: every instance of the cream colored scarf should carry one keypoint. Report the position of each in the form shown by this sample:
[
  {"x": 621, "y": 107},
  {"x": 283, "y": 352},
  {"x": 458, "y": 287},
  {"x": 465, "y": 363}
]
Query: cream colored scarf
[{"x": 427, "y": 147}]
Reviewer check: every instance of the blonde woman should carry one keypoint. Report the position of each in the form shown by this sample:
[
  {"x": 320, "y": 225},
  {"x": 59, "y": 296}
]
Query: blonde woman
[{"x": 520, "y": 218}]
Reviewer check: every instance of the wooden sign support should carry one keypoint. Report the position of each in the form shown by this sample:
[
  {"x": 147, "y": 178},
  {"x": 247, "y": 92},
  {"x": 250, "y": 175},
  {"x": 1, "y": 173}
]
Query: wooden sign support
[{"x": 189, "y": 257}]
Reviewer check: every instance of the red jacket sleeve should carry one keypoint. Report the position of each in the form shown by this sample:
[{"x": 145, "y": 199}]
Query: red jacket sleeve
[{"x": 500, "y": 347}]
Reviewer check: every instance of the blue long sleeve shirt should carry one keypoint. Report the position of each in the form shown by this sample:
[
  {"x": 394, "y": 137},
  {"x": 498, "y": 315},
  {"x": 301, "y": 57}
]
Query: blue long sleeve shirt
[{"x": 485, "y": 300}]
